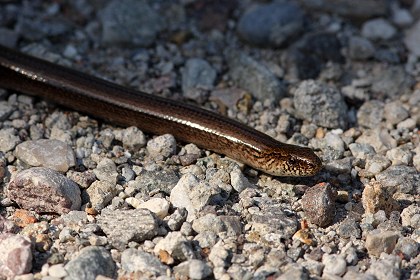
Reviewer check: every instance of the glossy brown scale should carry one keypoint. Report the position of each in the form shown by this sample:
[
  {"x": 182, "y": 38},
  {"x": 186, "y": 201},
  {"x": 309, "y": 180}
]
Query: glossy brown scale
[{"x": 153, "y": 114}]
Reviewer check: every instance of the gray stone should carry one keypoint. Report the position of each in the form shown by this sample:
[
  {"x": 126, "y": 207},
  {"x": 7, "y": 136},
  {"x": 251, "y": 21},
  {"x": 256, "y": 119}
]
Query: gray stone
[
  {"x": 159, "y": 206},
  {"x": 206, "y": 239},
  {"x": 360, "y": 48},
  {"x": 412, "y": 37},
  {"x": 391, "y": 81},
  {"x": 378, "y": 29},
  {"x": 386, "y": 268},
  {"x": 379, "y": 138},
  {"x": 378, "y": 242},
  {"x": 44, "y": 190},
  {"x": 370, "y": 114},
  {"x": 91, "y": 262},
  {"x": 408, "y": 247},
  {"x": 394, "y": 112},
  {"x": 177, "y": 218},
  {"x": 5, "y": 108},
  {"x": 219, "y": 255},
  {"x": 123, "y": 226},
  {"x": 130, "y": 22},
  {"x": 176, "y": 245},
  {"x": 100, "y": 194},
  {"x": 334, "y": 264},
  {"x": 400, "y": 156},
  {"x": 361, "y": 150},
  {"x": 405, "y": 179},
  {"x": 209, "y": 222},
  {"x": 193, "y": 269},
  {"x": 8, "y": 139},
  {"x": 354, "y": 275},
  {"x": 320, "y": 104},
  {"x": 294, "y": 271},
  {"x": 238, "y": 181},
  {"x": 193, "y": 195},
  {"x": 410, "y": 216},
  {"x": 349, "y": 228},
  {"x": 198, "y": 77},
  {"x": 152, "y": 181},
  {"x": 132, "y": 138},
  {"x": 106, "y": 170},
  {"x": 162, "y": 146},
  {"x": 271, "y": 25},
  {"x": 376, "y": 164},
  {"x": 332, "y": 146},
  {"x": 16, "y": 255},
  {"x": 133, "y": 260},
  {"x": 254, "y": 77}
]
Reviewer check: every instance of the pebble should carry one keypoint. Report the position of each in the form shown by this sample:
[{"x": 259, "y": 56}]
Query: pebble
[
  {"x": 219, "y": 255},
  {"x": 132, "y": 138},
  {"x": 8, "y": 139},
  {"x": 193, "y": 195},
  {"x": 5, "y": 108},
  {"x": 361, "y": 150},
  {"x": 349, "y": 228},
  {"x": 410, "y": 216},
  {"x": 57, "y": 270},
  {"x": 320, "y": 104},
  {"x": 370, "y": 114},
  {"x": 391, "y": 81},
  {"x": 394, "y": 112},
  {"x": 318, "y": 203},
  {"x": 162, "y": 146},
  {"x": 375, "y": 165},
  {"x": 360, "y": 48},
  {"x": 209, "y": 223},
  {"x": 159, "y": 206},
  {"x": 100, "y": 194},
  {"x": 404, "y": 179},
  {"x": 177, "y": 218},
  {"x": 378, "y": 241},
  {"x": 334, "y": 264},
  {"x": 130, "y": 22},
  {"x": 412, "y": 38},
  {"x": 193, "y": 269},
  {"x": 254, "y": 77},
  {"x": 206, "y": 239},
  {"x": 106, "y": 170},
  {"x": 91, "y": 262},
  {"x": 271, "y": 25},
  {"x": 294, "y": 272},
  {"x": 400, "y": 156},
  {"x": 133, "y": 260},
  {"x": 386, "y": 268},
  {"x": 198, "y": 77},
  {"x": 16, "y": 255},
  {"x": 377, "y": 197},
  {"x": 378, "y": 29},
  {"x": 152, "y": 182},
  {"x": 176, "y": 245},
  {"x": 378, "y": 138},
  {"x": 44, "y": 190},
  {"x": 123, "y": 226},
  {"x": 238, "y": 181}
]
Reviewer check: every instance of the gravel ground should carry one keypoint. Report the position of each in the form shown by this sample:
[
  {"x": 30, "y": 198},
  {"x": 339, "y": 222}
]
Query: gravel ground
[{"x": 84, "y": 199}]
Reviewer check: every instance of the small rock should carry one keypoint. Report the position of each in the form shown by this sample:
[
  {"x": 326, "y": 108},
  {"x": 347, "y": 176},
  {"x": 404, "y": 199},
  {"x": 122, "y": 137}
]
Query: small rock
[
  {"x": 370, "y": 113},
  {"x": 133, "y": 260},
  {"x": 391, "y": 81},
  {"x": 360, "y": 48},
  {"x": 408, "y": 247},
  {"x": 293, "y": 272},
  {"x": 132, "y": 138},
  {"x": 8, "y": 139},
  {"x": 378, "y": 29},
  {"x": 377, "y": 197},
  {"x": 100, "y": 193},
  {"x": 379, "y": 138},
  {"x": 375, "y": 165},
  {"x": 412, "y": 37},
  {"x": 130, "y": 22},
  {"x": 394, "y": 112},
  {"x": 5, "y": 109},
  {"x": 400, "y": 156},
  {"x": 44, "y": 190},
  {"x": 209, "y": 222},
  {"x": 361, "y": 150},
  {"x": 378, "y": 241},
  {"x": 238, "y": 181},
  {"x": 162, "y": 146},
  {"x": 404, "y": 179},
  {"x": 318, "y": 203},
  {"x": 15, "y": 256},
  {"x": 334, "y": 264},
  {"x": 410, "y": 216},
  {"x": 254, "y": 77},
  {"x": 57, "y": 270},
  {"x": 49, "y": 153},
  {"x": 154, "y": 182},
  {"x": 106, "y": 170},
  {"x": 193, "y": 269},
  {"x": 193, "y": 195},
  {"x": 123, "y": 226},
  {"x": 271, "y": 25},
  {"x": 176, "y": 245},
  {"x": 198, "y": 77},
  {"x": 91, "y": 262},
  {"x": 349, "y": 228},
  {"x": 206, "y": 239},
  {"x": 219, "y": 255},
  {"x": 386, "y": 268},
  {"x": 320, "y": 104},
  {"x": 177, "y": 218},
  {"x": 159, "y": 206}
]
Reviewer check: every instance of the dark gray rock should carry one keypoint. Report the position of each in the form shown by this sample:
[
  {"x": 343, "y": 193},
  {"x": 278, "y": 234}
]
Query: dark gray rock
[
  {"x": 318, "y": 203},
  {"x": 271, "y": 25},
  {"x": 90, "y": 263}
]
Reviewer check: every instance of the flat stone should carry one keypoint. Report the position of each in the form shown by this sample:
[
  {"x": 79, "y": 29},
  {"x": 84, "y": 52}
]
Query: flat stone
[
  {"x": 378, "y": 241},
  {"x": 133, "y": 260},
  {"x": 123, "y": 226},
  {"x": 8, "y": 139},
  {"x": 101, "y": 193},
  {"x": 50, "y": 153},
  {"x": 44, "y": 190}
]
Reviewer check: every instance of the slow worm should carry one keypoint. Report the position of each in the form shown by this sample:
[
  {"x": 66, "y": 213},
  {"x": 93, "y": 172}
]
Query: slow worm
[{"x": 153, "y": 114}]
